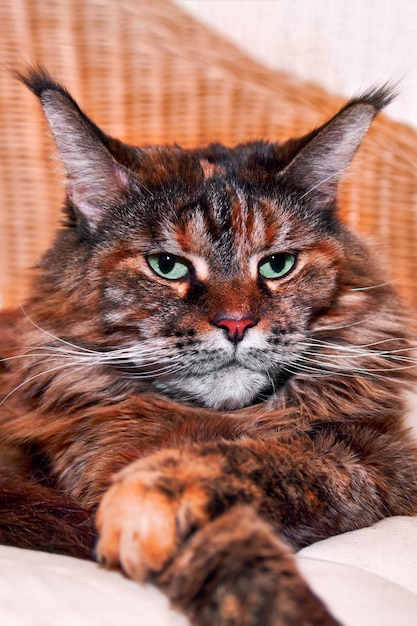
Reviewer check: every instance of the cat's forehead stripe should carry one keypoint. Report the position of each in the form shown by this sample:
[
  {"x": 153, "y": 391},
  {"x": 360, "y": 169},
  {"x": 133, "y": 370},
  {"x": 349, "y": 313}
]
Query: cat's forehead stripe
[
  {"x": 191, "y": 240},
  {"x": 254, "y": 224},
  {"x": 238, "y": 212},
  {"x": 195, "y": 234},
  {"x": 242, "y": 221}
]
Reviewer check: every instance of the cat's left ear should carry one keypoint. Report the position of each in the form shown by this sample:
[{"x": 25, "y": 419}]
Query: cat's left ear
[
  {"x": 318, "y": 166},
  {"x": 95, "y": 179}
]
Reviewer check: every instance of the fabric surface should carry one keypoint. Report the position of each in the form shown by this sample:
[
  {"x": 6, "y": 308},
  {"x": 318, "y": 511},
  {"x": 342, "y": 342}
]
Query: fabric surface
[
  {"x": 367, "y": 577},
  {"x": 39, "y": 589}
]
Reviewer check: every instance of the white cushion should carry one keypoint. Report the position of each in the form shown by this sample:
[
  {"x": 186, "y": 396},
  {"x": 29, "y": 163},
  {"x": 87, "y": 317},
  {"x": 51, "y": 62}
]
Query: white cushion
[
  {"x": 39, "y": 589},
  {"x": 367, "y": 577}
]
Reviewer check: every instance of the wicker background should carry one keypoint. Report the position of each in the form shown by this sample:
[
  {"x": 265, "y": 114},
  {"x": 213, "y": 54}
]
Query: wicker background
[{"x": 147, "y": 72}]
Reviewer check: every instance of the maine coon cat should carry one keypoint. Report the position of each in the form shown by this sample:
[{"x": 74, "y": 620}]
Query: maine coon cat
[{"x": 205, "y": 325}]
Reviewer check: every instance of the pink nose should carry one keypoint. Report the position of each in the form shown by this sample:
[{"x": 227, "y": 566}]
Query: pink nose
[{"x": 235, "y": 327}]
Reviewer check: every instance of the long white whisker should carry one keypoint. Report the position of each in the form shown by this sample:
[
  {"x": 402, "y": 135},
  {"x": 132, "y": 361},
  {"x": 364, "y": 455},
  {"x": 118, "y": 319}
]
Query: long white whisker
[
  {"x": 332, "y": 344},
  {"x": 395, "y": 355},
  {"x": 335, "y": 368},
  {"x": 344, "y": 359},
  {"x": 46, "y": 332},
  {"x": 75, "y": 346},
  {"x": 114, "y": 357},
  {"x": 32, "y": 378},
  {"x": 154, "y": 373},
  {"x": 390, "y": 282},
  {"x": 329, "y": 328},
  {"x": 321, "y": 183},
  {"x": 139, "y": 375}
]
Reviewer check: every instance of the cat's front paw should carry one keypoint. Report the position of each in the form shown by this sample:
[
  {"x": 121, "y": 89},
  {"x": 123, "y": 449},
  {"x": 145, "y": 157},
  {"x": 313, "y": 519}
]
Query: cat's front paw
[{"x": 152, "y": 506}]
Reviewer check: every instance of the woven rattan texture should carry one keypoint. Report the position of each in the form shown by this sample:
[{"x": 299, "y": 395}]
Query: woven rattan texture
[{"x": 147, "y": 72}]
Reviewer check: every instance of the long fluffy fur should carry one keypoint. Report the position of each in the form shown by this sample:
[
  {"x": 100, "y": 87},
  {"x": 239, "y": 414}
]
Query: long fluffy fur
[{"x": 112, "y": 367}]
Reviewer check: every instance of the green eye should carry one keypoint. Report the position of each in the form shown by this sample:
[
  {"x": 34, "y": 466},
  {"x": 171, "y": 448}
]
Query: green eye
[
  {"x": 168, "y": 266},
  {"x": 277, "y": 265}
]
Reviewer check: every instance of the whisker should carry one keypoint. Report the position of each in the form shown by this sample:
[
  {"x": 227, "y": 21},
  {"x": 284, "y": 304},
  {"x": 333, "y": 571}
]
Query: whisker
[
  {"x": 83, "y": 363},
  {"x": 75, "y": 346},
  {"x": 325, "y": 180},
  {"x": 395, "y": 355},
  {"x": 46, "y": 332},
  {"x": 333, "y": 367},
  {"x": 329, "y": 328},
  {"x": 32, "y": 378},
  {"x": 114, "y": 357},
  {"x": 349, "y": 360},
  {"x": 313, "y": 372},
  {"x": 144, "y": 353},
  {"x": 389, "y": 282},
  {"x": 332, "y": 344},
  {"x": 154, "y": 373}
]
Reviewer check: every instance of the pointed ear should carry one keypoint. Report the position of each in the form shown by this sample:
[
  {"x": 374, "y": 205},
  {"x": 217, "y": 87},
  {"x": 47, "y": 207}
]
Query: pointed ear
[
  {"x": 95, "y": 180},
  {"x": 316, "y": 169}
]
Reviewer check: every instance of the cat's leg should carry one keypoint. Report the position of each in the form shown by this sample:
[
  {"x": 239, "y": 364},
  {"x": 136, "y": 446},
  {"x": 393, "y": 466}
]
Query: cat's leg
[
  {"x": 236, "y": 571},
  {"x": 307, "y": 493},
  {"x": 161, "y": 505}
]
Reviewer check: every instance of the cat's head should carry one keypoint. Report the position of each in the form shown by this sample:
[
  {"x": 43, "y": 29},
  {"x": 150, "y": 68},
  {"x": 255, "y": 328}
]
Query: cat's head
[{"x": 205, "y": 272}]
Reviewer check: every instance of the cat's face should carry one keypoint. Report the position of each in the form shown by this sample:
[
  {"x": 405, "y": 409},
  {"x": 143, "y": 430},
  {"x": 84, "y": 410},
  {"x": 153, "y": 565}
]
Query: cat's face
[
  {"x": 205, "y": 271},
  {"x": 215, "y": 291}
]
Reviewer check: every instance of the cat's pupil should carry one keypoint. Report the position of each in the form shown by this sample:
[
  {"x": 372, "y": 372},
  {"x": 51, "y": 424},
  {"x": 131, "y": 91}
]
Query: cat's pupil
[
  {"x": 277, "y": 262},
  {"x": 166, "y": 263}
]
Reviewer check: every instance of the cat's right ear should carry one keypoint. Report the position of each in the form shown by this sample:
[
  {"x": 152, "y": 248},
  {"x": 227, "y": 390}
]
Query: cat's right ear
[
  {"x": 95, "y": 180},
  {"x": 319, "y": 159}
]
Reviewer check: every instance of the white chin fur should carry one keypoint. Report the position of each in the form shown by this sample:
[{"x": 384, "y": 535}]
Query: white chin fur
[{"x": 230, "y": 388}]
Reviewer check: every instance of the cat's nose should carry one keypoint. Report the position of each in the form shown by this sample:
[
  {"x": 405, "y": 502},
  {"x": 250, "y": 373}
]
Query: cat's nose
[{"x": 235, "y": 327}]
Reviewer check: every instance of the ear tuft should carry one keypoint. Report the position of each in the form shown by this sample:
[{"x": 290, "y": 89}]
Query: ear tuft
[
  {"x": 95, "y": 180},
  {"x": 38, "y": 80},
  {"x": 315, "y": 171},
  {"x": 377, "y": 97}
]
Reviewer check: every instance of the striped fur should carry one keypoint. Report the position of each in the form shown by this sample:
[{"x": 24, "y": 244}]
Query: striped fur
[{"x": 251, "y": 401}]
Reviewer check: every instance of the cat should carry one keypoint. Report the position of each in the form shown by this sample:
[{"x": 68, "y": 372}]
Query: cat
[{"x": 210, "y": 364}]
